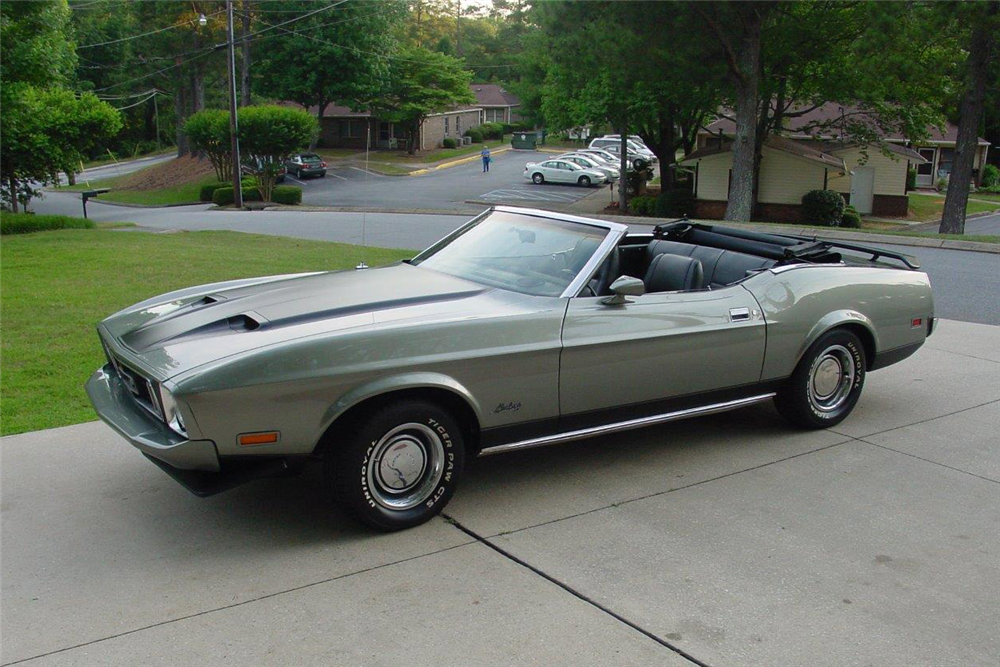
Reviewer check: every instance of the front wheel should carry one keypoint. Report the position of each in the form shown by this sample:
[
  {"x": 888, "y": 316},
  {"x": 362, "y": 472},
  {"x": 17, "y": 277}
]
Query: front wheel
[
  {"x": 827, "y": 383},
  {"x": 399, "y": 465},
  {"x": 584, "y": 181},
  {"x": 537, "y": 179}
]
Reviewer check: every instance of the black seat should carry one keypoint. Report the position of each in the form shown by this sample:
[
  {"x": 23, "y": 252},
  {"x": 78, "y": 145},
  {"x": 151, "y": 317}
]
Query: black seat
[
  {"x": 721, "y": 267},
  {"x": 673, "y": 273}
]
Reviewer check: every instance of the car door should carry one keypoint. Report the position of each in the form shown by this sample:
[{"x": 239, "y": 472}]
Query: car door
[
  {"x": 634, "y": 359},
  {"x": 550, "y": 170}
]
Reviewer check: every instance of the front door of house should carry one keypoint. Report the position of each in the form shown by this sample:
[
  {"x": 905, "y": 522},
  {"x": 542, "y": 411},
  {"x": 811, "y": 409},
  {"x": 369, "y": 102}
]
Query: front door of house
[
  {"x": 925, "y": 171},
  {"x": 863, "y": 189}
]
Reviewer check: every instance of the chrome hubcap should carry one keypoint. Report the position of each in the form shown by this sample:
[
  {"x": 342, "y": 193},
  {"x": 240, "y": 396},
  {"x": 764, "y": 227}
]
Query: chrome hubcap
[
  {"x": 406, "y": 466},
  {"x": 831, "y": 378}
]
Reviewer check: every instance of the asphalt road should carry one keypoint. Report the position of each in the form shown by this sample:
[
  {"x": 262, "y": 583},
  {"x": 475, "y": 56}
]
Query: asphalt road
[
  {"x": 450, "y": 188},
  {"x": 965, "y": 283},
  {"x": 986, "y": 225},
  {"x": 119, "y": 168}
]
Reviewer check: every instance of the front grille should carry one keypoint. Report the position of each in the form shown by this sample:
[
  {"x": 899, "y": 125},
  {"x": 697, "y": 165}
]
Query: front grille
[{"x": 142, "y": 389}]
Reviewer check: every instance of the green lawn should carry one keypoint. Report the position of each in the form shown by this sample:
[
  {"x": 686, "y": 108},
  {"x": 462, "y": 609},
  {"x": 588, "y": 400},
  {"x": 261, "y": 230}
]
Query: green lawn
[
  {"x": 56, "y": 286},
  {"x": 929, "y": 207},
  {"x": 185, "y": 193},
  {"x": 436, "y": 154},
  {"x": 337, "y": 153},
  {"x": 988, "y": 196}
]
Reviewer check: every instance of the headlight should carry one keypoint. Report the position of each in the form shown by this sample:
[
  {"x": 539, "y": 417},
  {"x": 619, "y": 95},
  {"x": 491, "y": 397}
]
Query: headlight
[{"x": 171, "y": 414}]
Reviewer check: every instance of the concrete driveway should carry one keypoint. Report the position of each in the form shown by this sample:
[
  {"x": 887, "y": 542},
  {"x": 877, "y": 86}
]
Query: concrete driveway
[{"x": 730, "y": 540}]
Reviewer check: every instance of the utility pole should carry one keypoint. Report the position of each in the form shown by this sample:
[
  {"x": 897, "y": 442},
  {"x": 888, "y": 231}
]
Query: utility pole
[
  {"x": 156, "y": 117},
  {"x": 233, "y": 124}
]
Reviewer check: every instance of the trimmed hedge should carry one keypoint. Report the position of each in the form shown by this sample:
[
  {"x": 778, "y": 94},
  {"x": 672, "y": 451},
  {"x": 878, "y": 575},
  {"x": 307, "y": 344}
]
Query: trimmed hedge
[
  {"x": 450, "y": 143},
  {"x": 289, "y": 195},
  {"x": 674, "y": 203},
  {"x": 851, "y": 218},
  {"x": 475, "y": 135},
  {"x": 823, "y": 207},
  {"x": 224, "y": 196},
  {"x": 491, "y": 130},
  {"x": 26, "y": 223},
  {"x": 911, "y": 179},
  {"x": 642, "y": 205},
  {"x": 207, "y": 190}
]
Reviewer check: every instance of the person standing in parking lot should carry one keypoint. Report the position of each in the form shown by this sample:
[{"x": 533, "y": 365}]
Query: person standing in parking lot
[{"x": 485, "y": 154}]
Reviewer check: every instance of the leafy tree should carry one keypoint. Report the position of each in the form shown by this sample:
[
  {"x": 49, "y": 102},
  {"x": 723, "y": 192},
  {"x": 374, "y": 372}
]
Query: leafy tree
[
  {"x": 208, "y": 132},
  {"x": 268, "y": 135},
  {"x": 337, "y": 56},
  {"x": 421, "y": 82},
  {"x": 44, "y": 127}
]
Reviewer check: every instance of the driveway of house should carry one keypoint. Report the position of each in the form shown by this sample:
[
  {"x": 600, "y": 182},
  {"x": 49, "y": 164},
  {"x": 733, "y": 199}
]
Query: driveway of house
[{"x": 730, "y": 540}]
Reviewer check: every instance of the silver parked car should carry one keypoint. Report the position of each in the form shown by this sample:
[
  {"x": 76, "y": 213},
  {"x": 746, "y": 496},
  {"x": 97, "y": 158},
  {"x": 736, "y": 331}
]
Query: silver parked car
[
  {"x": 563, "y": 171},
  {"x": 591, "y": 162},
  {"x": 522, "y": 328}
]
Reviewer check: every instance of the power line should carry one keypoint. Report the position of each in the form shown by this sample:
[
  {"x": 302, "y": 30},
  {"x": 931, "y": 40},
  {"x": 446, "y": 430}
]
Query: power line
[
  {"x": 145, "y": 76},
  {"x": 151, "y": 32}
]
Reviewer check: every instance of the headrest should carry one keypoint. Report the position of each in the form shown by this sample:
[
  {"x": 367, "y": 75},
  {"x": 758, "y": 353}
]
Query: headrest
[{"x": 673, "y": 273}]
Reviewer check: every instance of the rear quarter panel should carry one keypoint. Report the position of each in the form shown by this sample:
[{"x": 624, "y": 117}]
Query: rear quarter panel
[{"x": 802, "y": 303}]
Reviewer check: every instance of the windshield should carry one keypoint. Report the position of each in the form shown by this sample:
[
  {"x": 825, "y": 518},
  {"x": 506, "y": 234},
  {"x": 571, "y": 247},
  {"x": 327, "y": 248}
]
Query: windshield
[{"x": 521, "y": 253}]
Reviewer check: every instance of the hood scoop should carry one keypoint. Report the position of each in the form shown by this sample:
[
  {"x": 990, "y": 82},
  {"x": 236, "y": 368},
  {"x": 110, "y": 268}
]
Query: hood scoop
[{"x": 146, "y": 338}]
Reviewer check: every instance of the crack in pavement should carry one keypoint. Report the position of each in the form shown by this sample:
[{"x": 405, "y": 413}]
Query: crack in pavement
[
  {"x": 205, "y": 612},
  {"x": 575, "y": 593},
  {"x": 937, "y": 463},
  {"x": 922, "y": 421}
]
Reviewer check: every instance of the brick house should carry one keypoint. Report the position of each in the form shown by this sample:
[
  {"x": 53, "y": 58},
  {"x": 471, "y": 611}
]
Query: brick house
[
  {"x": 497, "y": 104},
  {"x": 341, "y": 127}
]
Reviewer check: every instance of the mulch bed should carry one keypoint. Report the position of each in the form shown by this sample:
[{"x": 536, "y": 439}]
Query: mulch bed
[{"x": 167, "y": 174}]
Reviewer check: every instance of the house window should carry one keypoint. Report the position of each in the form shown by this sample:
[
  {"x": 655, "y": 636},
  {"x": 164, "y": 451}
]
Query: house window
[
  {"x": 353, "y": 129},
  {"x": 945, "y": 160},
  {"x": 927, "y": 168},
  {"x": 494, "y": 115}
]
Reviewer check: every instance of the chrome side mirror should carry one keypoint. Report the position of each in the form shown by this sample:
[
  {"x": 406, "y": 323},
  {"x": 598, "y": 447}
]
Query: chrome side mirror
[{"x": 622, "y": 287}]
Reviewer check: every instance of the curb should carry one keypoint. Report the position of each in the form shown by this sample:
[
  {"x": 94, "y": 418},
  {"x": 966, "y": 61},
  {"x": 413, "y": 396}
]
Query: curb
[
  {"x": 862, "y": 237},
  {"x": 452, "y": 163},
  {"x": 360, "y": 209}
]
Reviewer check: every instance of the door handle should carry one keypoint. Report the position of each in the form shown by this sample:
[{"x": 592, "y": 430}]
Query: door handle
[{"x": 739, "y": 314}]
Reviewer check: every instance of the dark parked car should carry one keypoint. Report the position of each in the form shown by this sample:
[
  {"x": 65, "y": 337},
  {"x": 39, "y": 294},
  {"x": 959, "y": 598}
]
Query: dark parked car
[{"x": 306, "y": 164}]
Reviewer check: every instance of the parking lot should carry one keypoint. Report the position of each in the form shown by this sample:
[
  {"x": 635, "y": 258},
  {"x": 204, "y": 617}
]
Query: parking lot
[
  {"x": 450, "y": 188},
  {"x": 729, "y": 540}
]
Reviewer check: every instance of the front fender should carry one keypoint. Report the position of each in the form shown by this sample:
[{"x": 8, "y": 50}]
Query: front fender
[{"x": 399, "y": 382}]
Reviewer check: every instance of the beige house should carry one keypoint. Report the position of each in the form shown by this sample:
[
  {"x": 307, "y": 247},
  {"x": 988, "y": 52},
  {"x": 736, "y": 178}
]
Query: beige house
[{"x": 497, "y": 104}]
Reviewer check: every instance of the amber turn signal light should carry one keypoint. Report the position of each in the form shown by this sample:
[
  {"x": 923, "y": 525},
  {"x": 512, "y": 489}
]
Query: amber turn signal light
[{"x": 266, "y": 438}]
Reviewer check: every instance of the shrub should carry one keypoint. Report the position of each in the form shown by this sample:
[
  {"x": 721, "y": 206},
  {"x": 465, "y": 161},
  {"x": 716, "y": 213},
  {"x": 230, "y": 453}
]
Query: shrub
[
  {"x": 287, "y": 194},
  {"x": 450, "y": 143},
  {"x": 268, "y": 134},
  {"x": 491, "y": 130},
  {"x": 475, "y": 134},
  {"x": 674, "y": 203},
  {"x": 26, "y": 223},
  {"x": 209, "y": 188},
  {"x": 942, "y": 184},
  {"x": 851, "y": 218},
  {"x": 911, "y": 179},
  {"x": 208, "y": 131},
  {"x": 991, "y": 176},
  {"x": 224, "y": 196},
  {"x": 823, "y": 207},
  {"x": 643, "y": 205}
]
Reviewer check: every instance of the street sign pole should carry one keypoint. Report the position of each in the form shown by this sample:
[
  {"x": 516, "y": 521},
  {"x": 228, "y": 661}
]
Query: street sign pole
[{"x": 233, "y": 124}]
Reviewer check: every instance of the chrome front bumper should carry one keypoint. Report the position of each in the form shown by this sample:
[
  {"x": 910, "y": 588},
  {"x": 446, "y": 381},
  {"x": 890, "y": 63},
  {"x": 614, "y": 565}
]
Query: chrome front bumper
[{"x": 116, "y": 407}]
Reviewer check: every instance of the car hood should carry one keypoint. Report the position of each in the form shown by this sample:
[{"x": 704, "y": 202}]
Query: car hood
[{"x": 181, "y": 330}]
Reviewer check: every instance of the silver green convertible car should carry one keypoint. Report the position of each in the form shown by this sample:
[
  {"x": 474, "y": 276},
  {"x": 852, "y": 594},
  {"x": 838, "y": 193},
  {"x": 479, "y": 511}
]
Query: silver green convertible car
[{"x": 522, "y": 328}]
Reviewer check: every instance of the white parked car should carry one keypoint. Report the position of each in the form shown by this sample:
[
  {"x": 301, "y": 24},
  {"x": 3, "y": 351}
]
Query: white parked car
[
  {"x": 591, "y": 162},
  {"x": 604, "y": 156},
  {"x": 562, "y": 171},
  {"x": 613, "y": 145}
]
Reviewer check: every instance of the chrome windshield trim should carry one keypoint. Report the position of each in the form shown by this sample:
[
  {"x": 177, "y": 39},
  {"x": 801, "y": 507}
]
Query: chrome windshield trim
[
  {"x": 627, "y": 425},
  {"x": 609, "y": 243}
]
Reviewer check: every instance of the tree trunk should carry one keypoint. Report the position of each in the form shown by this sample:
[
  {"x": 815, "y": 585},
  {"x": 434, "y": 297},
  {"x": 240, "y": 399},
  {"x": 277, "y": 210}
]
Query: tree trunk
[
  {"x": 245, "y": 62},
  {"x": 320, "y": 106},
  {"x": 623, "y": 169},
  {"x": 970, "y": 113},
  {"x": 180, "y": 114},
  {"x": 13, "y": 193},
  {"x": 746, "y": 81}
]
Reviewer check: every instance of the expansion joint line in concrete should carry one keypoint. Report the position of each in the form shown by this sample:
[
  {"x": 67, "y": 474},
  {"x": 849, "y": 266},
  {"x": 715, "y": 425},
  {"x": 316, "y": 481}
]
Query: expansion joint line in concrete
[{"x": 577, "y": 594}]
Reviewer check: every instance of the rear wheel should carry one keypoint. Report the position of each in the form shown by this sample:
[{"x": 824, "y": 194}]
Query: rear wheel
[
  {"x": 827, "y": 383},
  {"x": 399, "y": 465},
  {"x": 584, "y": 181},
  {"x": 537, "y": 179}
]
